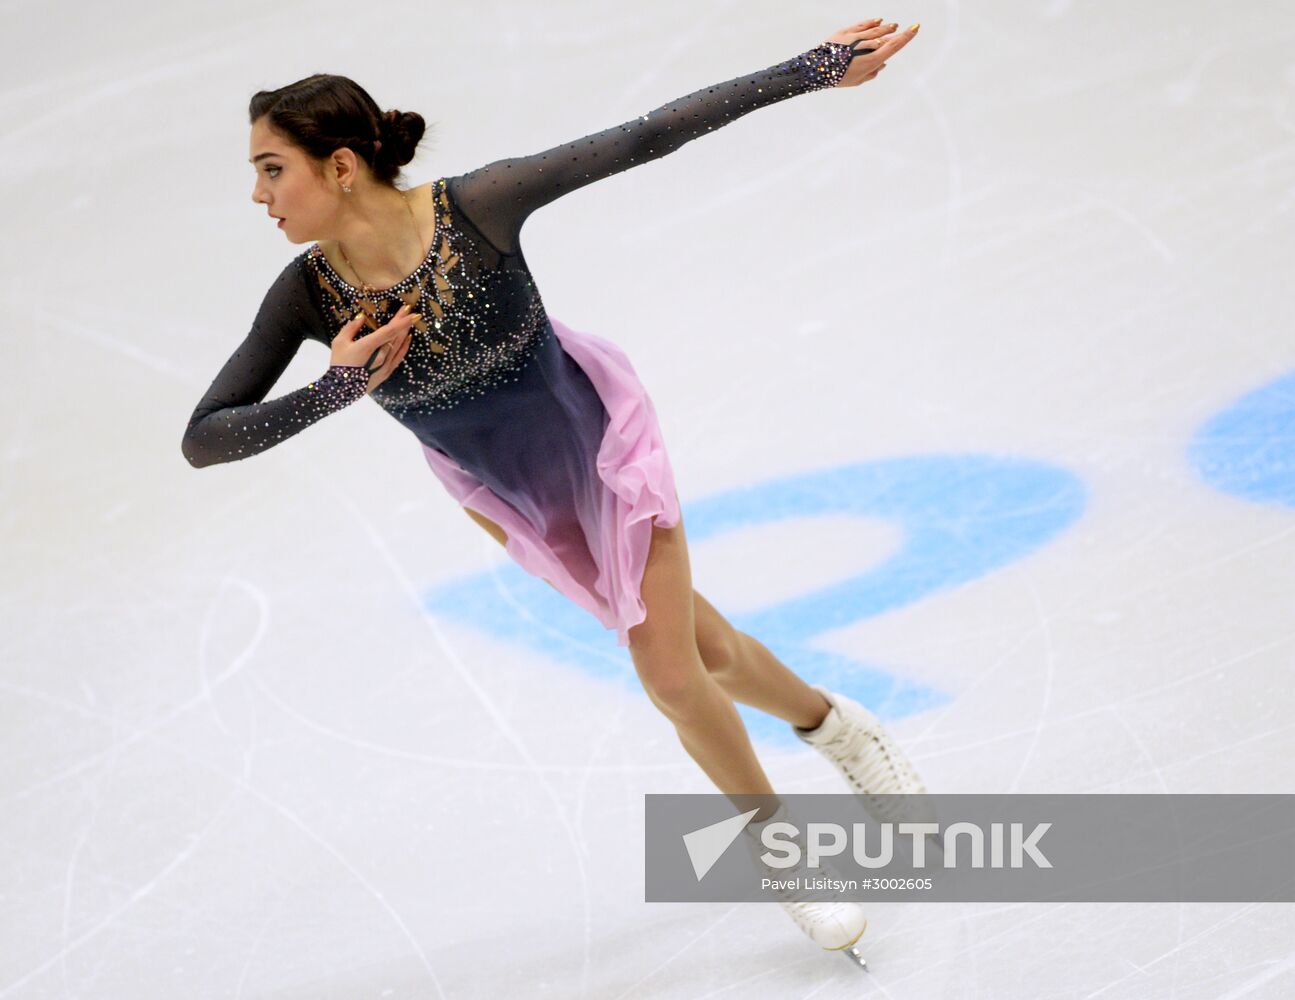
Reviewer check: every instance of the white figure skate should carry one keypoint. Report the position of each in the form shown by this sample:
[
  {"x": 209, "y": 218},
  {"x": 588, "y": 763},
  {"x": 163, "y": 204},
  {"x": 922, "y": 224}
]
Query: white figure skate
[
  {"x": 857, "y": 744},
  {"x": 833, "y": 926}
]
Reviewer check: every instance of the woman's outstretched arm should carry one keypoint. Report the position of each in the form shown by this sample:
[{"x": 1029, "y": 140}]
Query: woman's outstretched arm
[
  {"x": 498, "y": 197},
  {"x": 230, "y": 422}
]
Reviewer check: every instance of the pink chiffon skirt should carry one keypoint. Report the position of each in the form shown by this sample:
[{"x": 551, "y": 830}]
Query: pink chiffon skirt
[{"x": 594, "y": 555}]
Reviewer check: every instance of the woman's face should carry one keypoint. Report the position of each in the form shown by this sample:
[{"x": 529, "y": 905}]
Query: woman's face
[{"x": 287, "y": 185}]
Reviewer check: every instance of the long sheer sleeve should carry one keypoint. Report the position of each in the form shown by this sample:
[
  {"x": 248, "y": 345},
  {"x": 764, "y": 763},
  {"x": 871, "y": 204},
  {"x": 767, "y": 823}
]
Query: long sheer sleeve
[
  {"x": 498, "y": 197},
  {"x": 230, "y": 422}
]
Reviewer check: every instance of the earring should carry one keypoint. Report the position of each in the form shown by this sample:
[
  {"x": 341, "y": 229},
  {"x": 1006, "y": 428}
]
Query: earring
[{"x": 347, "y": 190}]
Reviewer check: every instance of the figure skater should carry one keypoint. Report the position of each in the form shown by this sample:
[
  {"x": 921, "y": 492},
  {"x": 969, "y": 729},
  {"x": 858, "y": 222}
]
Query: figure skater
[{"x": 544, "y": 435}]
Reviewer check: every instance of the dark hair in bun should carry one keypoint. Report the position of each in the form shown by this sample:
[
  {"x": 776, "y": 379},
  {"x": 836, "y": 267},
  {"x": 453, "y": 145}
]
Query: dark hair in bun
[{"x": 324, "y": 113}]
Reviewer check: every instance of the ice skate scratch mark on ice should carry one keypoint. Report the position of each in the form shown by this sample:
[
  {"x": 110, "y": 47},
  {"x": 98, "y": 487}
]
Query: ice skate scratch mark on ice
[
  {"x": 1139, "y": 970},
  {"x": 808, "y": 961},
  {"x": 235, "y": 667},
  {"x": 86, "y": 763},
  {"x": 1050, "y": 660},
  {"x": 88, "y": 824},
  {"x": 97, "y": 86},
  {"x": 137, "y": 356},
  {"x": 1096, "y": 710},
  {"x": 953, "y": 204},
  {"x": 848, "y": 143},
  {"x": 701, "y": 418},
  {"x": 1256, "y": 981},
  {"x": 1194, "y": 758},
  {"x": 819, "y": 988},
  {"x": 693, "y": 33},
  {"x": 1162, "y": 582},
  {"x": 147, "y": 732},
  {"x": 271, "y": 915},
  {"x": 492, "y": 710},
  {"x": 676, "y": 953},
  {"x": 67, "y": 947},
  {"x": 1146, "y": 752},
  {"x": 524, "y": 612},
  {"x": 937, "y": 717},
  {"x": 981, "y": 946},
  {"x": 355, "y": 873},
  {"x": 611, "y": 726},
  {"x": 204, "y": 635},
  {"x": 182, "y": 856}
]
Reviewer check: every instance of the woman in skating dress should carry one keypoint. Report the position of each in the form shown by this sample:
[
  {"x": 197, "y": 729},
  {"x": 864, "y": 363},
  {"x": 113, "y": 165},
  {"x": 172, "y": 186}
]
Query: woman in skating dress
[{"x": 543, "y": 434}]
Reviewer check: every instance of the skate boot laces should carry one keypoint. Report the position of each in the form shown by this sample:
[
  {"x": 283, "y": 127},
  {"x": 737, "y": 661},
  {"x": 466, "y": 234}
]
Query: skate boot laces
[{"x": 872, "y": 762}]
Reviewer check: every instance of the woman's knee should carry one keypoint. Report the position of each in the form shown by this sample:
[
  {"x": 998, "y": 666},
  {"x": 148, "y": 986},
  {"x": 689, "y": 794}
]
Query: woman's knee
[
  {"x": 670, "y": 678},
  {"x": 663, "y": 646}
]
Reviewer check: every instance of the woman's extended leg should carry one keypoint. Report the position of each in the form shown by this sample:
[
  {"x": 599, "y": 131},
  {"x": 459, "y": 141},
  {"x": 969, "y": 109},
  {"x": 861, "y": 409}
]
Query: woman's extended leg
[{"x": 664, "y": 650}]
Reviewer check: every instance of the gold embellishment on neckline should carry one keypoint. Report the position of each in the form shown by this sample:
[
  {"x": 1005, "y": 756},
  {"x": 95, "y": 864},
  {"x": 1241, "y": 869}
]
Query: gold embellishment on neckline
[{"x": 432, "y": 284}]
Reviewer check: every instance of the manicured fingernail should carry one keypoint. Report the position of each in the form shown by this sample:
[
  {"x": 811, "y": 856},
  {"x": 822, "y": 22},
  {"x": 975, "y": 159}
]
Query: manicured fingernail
[{"x": 914, "y": 28}]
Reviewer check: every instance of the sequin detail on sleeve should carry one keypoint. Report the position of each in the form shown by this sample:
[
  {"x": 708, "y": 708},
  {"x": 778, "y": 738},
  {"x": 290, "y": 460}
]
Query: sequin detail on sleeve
[
  {"x": 342, "y": 383},
  {"x": 499, "y": 196},
  {"x": 231, "y": 422}
]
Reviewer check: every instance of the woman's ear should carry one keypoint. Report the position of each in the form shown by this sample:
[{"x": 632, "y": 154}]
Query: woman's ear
[{"x": 343, "y": 167}]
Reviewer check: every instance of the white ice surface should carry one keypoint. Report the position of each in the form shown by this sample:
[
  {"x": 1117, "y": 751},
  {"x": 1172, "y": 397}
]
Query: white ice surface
[{"x": 240, "y": 758}]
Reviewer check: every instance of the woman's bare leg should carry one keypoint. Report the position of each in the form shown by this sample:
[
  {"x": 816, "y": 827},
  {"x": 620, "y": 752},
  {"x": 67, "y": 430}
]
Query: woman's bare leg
[
  {"x": 664, "y": 650},
  {"x": 741, "y": 664},
  {"x": 746, "y": 669}
]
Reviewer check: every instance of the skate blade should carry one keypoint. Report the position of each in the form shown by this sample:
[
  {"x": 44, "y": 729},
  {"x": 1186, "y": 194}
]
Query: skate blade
[{"x": 857, "y": 960}]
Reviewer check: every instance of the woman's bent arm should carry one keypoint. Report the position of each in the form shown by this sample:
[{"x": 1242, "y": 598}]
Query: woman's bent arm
[{"x": 231, "y": 422}]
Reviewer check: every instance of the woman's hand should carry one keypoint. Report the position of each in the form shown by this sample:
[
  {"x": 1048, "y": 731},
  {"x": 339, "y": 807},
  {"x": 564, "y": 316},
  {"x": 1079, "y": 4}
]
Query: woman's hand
[
  {"x": 378, "y": 352},
  {"x": 871, "y": 48}
]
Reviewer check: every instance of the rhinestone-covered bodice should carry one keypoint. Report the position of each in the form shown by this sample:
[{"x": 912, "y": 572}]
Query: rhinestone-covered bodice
[{"x": 482, "y": 316}]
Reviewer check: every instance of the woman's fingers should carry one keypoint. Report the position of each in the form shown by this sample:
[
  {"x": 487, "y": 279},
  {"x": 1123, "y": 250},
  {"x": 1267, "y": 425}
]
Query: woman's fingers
[
  {"x": 871, "y": 32},
  {"x": 867, "y": 37},
  {"x": 399, "y": 326},
  {"x": 394, "y": 356},
  {"x": 873, "y": 28},
  {"x": 389, "y": 344},
  {"x": 869, "y": 50},
  {"x": 885, "y": 42},
  {"x": 896, "y": 43}
]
